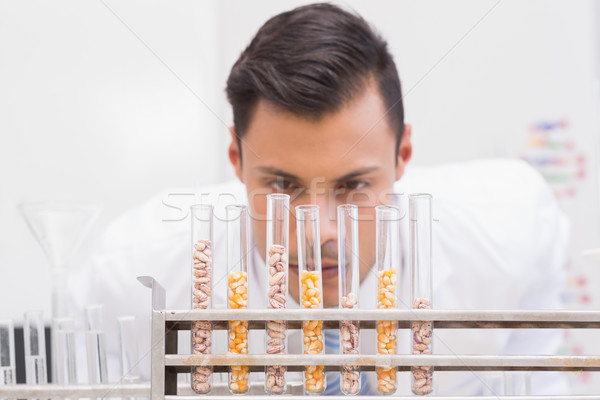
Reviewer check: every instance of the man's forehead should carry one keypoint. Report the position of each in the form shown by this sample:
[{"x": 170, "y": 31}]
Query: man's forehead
[{"x": 344, "y": 142}]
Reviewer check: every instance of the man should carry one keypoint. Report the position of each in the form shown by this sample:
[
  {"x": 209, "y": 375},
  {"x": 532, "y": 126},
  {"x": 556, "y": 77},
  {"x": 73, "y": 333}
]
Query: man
[{"x": 318, "y": 115}]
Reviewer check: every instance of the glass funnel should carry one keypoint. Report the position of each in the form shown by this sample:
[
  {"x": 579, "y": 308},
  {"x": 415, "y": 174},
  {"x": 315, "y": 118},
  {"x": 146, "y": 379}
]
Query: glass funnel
[{"x": 60, "y": 229}]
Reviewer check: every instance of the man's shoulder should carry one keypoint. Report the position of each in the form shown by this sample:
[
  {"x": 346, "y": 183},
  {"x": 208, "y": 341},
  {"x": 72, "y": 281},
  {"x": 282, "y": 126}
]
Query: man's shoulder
[
  {"x": 166, "y": 214},
  {"x": 489, "y": 179},
  {"x": 491, "y": 206}
]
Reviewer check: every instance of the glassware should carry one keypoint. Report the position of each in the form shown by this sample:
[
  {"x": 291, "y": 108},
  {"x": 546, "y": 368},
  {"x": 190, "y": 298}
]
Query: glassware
[
  {"x": 60, "y": 229},
  {"x": 309, "y": 271},
  {"x": 278, "y": 231},
  {"x": 348, "y": 283},
  {"x": 64, "y": 351},
  {"x": 35, "y": 348},
  {"x": 95, "y": 338},
  {"x": 422, "y": 289},
  {"x": 237, "y": 291},
  {"x": 202, "y": 286},
  {"x": 128, "y": 350},
  {"x": 388, "y": 262},
  {"x": 7, "y": 353}
]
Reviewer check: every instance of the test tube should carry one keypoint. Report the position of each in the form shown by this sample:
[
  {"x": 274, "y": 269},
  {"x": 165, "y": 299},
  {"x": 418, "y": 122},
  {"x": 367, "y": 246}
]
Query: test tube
[
  {"x": 278, "y": 231},
  {"x": 348, "y": 285},
  {"x": 7, "y": 353},
  {"x": 422, "y": 290},
  {"x": 96, "y": 344},
  {"x": 128, "y": 350},
  {"x": 237, "y": 291},
  {"x": 35, "y": 348},
  {"x": 309, "y": 270},
  {"x": 64, "y": 341},
  {"x": 388, "y": 262},
  {"x": 202, "y": 240}
]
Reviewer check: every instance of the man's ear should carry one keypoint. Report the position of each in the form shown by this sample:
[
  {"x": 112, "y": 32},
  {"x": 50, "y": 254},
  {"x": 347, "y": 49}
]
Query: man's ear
[
  {"x": 404, "y": 152},
  {"x": 235, "y": 154}
]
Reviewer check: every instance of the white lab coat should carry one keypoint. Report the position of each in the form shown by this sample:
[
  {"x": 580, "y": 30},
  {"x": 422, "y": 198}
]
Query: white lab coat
[{"x": 499, "y": 242}]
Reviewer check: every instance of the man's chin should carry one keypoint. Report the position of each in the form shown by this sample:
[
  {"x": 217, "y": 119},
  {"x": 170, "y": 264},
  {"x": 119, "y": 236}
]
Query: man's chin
[
  {"x": 333, "y": 303},
  {"x": 329, "y": 274},
  {"x": 329, "y": 295}
]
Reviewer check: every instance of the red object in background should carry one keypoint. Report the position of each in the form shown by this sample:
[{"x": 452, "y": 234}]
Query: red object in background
[
  {"x": 581, "y": 166},
  {"x": 585, "y": 299},
  {"x": 585, "y": 376},
  {"x": 569, "y": 146}
]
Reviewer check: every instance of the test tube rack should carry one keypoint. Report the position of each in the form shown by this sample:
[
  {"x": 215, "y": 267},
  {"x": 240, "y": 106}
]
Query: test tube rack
[{"x": 166, "y": 363}]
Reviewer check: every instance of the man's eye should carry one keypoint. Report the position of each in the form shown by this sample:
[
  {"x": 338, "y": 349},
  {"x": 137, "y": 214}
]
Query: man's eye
[
  {"x": 354, "y": 185},
  {"x": 281, "y": 184}
]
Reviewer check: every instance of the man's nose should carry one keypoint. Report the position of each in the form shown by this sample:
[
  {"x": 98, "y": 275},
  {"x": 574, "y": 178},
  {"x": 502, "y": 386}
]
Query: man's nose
[{"x": 327, "y": 219}]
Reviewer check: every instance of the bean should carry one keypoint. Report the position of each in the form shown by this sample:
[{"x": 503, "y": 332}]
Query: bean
[
  {"x": 276, "y": 298},
  {"x": 386, "y": 330},
  {"x": 201, "y": 299},
  {"x": 422, "y": 377},
  {"x": 314, "y": 376}
]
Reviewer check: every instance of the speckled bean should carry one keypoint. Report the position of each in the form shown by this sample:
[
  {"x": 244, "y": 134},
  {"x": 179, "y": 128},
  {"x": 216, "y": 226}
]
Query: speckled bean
[
  {"x": 201, "y": 299},
  {"x": 422, "y": 377},
  {"x": 276, "y": 330}
]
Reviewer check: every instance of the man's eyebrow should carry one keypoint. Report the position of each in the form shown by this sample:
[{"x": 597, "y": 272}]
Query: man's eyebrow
[
  {"x": 356, "y": 173},
  {"x": 276, "y": 171}
]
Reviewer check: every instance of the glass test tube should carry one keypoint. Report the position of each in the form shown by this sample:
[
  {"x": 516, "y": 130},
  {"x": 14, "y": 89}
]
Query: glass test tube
[
  {"x": 309, "y": 271},
  {"x": 202, "y": 240},
  {"x": 278, "y": 232},
  {"x": 237, "y": 291},
  {"x": 95, "y": 338},
  {"x": 348, "y": 284},
  {"x": 422, "y": 289},
  {"x": 64, "y": 342},
  {"x": 128, "y": 350},
  {"x": 7, "y": 353},
  {"x": 388, "y": 262},
  {"x": 35, "y": 348}
]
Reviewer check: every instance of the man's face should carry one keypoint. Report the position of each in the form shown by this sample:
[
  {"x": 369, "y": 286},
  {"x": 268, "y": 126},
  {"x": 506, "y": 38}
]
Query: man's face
[{"x": 344, "y": 158}]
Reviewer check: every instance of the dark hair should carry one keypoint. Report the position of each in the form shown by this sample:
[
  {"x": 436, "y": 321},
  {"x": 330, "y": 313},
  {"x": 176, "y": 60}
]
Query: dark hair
[{"x": 312, "y": 61}]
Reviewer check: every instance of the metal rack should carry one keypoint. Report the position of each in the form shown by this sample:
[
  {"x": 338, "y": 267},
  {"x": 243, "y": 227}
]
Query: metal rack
[
  {"x": 109, "y": 390},
  {"x": 166, "y": 363}
]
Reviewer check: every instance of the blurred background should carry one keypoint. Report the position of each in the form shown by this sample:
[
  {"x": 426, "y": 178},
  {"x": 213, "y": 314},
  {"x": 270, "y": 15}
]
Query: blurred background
[{"x": 113, "y": 101}]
